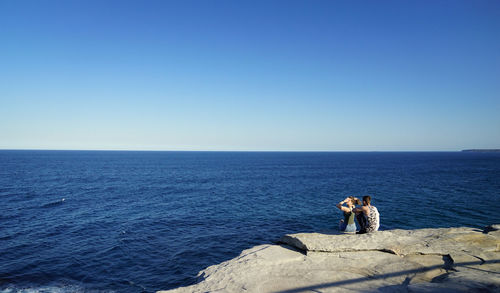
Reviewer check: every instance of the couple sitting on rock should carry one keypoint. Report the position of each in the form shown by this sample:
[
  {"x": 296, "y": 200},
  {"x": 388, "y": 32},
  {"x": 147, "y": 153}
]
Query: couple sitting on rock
[{"x": 367, "y": 215}]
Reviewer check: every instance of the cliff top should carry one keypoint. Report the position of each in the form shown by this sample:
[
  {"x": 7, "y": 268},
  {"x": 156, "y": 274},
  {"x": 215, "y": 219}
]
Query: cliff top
[{"x": 423, "y": 260}]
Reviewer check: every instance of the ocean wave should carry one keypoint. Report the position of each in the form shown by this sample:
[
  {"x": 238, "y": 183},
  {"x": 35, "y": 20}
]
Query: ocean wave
[
  {"x": 54, "y": 203},
  {"x": 60, "y": 288},
  {"x": 45, "y": 289}
]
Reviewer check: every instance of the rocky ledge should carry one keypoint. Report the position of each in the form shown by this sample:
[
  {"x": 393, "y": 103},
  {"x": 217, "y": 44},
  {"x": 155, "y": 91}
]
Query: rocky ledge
[{"x": 424, "y": 260}]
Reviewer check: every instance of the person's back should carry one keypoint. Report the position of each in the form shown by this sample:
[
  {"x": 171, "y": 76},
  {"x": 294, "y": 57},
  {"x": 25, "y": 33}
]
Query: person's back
[
  {"x": 373, "y": 220},
  {"x": 347, "y": 224},
  {"x": 368, "y": 216}
]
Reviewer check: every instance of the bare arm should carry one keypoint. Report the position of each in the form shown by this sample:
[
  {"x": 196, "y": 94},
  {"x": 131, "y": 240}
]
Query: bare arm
[
  {"x": 342, "y": 208},
  {"x": 363, "y": 209}
]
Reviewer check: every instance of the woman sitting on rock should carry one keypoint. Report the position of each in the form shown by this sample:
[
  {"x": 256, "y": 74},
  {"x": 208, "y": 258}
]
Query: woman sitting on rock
[{"x": 347, "y": 224}]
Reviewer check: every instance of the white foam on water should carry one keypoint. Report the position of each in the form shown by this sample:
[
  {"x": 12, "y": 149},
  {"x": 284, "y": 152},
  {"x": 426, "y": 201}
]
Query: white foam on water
[{"x": 46, "y": 289}]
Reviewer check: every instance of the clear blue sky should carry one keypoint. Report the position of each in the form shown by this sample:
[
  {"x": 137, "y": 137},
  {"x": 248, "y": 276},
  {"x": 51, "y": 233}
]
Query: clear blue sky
[{"x": 250, "y": 75}]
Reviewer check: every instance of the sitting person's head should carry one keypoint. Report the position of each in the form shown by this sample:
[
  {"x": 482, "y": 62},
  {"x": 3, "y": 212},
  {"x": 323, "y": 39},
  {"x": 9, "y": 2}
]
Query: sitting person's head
[
  {"x": 353, "y": 201},
  {"x": 366, "y": 200}
]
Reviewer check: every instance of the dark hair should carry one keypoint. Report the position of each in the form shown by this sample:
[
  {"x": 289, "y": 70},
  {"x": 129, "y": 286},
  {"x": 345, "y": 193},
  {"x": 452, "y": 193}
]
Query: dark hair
[
  {"x": 354, "y": 200},
  {"x": 367, "y": 199}
]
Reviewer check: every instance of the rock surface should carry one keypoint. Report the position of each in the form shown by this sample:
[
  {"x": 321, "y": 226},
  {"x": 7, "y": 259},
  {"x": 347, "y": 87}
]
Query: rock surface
[{"x": 424, "y": 260}]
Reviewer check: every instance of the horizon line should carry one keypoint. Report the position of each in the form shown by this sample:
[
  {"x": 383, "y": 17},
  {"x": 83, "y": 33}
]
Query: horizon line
[{"x": 263, "y": 151}]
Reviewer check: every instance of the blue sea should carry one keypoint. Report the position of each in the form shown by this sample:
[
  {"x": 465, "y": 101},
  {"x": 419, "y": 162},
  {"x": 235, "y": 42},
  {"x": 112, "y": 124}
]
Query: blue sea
[{"x": 113, "y": 221}]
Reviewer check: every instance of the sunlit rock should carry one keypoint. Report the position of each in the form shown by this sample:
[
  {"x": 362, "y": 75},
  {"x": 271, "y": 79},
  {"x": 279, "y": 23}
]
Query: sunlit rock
[{"x": 423, "y": 260}]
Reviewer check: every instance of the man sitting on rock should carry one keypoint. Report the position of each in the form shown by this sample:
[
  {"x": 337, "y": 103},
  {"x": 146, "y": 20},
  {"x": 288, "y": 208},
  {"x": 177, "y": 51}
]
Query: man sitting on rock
[{"x": 367, "y": 216}]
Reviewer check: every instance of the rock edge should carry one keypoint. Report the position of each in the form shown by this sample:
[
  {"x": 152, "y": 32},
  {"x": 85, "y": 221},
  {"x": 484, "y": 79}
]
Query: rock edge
[{"x": 423, "y": 260}]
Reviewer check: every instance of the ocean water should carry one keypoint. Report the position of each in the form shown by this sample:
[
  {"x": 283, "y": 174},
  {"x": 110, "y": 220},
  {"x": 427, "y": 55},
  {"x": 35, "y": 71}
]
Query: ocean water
[{"x": 98, "y": 221}]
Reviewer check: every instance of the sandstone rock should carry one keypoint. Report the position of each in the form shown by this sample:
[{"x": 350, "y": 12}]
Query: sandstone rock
[{"x": 424, "y": 260}]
